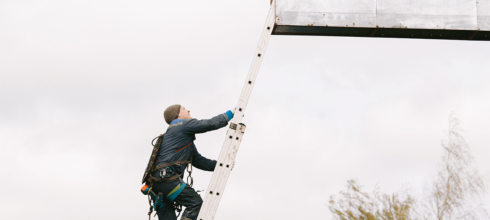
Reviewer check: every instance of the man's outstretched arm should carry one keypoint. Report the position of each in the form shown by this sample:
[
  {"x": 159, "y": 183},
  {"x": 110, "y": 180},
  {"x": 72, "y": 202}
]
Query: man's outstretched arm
[{"x": 205, "y": 125}]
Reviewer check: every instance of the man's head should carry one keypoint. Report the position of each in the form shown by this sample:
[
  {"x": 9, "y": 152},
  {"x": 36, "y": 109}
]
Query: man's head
[{"x": 176, "y": 111}]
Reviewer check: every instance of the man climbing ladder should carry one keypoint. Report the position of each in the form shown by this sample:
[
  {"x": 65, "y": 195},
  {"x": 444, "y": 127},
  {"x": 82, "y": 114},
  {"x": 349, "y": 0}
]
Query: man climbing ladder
[{"x": 176, "y": 152}]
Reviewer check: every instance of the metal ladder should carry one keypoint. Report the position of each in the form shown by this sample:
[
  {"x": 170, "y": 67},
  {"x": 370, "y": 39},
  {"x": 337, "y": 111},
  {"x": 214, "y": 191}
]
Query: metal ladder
[{"x": 234, "y": 135}]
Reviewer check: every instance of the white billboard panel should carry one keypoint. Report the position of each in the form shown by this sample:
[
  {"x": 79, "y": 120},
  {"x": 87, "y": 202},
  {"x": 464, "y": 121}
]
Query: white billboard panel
[
  {"x": 424, "y": 14},
  {"x": 338, "y": 13},
  {"x": 440, "y": 19},
  {"x": 483, "y": 15}
]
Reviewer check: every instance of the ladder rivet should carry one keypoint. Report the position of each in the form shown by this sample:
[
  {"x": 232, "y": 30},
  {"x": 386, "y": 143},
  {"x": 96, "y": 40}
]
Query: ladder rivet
[
  {"x": 249, "y": 82},
  {"x": 231, "y": 137},
  {"x": 237, "y": 138},
  {"x": 268, "y": 28},
  {"x": 259, "y": 54},
  {"x": 217, "y": 194},
  {"x": 220, "y": 164},
  {"x": 239, "y": 109},
  {"x": 227, "y": 166},
  {"x": 211, "y": 192}
]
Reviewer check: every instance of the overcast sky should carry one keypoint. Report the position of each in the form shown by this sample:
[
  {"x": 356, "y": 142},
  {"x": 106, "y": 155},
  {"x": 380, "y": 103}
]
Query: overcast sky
[{"x": 83, "y": 85}]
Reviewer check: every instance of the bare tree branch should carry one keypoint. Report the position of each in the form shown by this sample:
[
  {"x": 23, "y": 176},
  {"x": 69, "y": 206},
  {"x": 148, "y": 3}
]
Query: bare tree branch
[{"x": 455, "y": 193}]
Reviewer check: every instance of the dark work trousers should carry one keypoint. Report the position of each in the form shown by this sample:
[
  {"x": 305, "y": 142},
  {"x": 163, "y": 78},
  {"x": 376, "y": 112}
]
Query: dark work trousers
[{"x": 187, "y": 198}]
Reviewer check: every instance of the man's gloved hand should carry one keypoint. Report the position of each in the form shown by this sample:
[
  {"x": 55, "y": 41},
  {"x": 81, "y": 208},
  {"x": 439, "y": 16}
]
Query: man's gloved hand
[{"x": 230, "y": 114}]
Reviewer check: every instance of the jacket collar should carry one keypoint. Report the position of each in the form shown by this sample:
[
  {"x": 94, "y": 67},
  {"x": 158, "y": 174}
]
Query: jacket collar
[{"x": 175, "y": 121}]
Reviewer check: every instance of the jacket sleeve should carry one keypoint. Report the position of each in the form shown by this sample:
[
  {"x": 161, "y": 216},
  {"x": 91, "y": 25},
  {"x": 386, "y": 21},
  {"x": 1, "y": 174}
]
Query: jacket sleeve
[
  {"x": 202, "y": 163},
  {"x": 200, "y": 126}
]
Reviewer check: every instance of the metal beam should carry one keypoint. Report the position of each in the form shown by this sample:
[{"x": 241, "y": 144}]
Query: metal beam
[{"x": 383, "y": 32}]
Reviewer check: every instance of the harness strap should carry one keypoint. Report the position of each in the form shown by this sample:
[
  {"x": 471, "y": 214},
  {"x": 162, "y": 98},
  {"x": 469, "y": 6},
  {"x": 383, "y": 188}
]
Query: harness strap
[
  {"x": 183, "y": 147},
  {"x": 151, "y": 207},
  {"x": 173, "y": 163},
  {"x": 170, "y": 164},
  {"x": 156, "y": 179}
]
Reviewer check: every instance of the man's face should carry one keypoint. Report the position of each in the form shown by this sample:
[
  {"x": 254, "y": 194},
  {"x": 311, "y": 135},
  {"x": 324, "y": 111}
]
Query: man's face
[{"x": 184, "y": 113}]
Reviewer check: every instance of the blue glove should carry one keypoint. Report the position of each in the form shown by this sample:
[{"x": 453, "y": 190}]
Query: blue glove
[{"x": 230, "y": 114}]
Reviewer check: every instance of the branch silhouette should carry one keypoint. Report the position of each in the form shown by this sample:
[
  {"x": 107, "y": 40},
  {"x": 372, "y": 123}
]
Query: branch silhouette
[{"x": 456, "y": 192}]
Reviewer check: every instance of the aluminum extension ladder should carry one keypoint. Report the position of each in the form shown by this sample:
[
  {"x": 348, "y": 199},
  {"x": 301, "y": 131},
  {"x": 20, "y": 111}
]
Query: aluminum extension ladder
[{"x": 235, "y": 132}]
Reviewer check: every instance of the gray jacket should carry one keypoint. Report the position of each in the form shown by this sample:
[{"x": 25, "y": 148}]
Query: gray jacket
[{"x": 178, "y": 143}]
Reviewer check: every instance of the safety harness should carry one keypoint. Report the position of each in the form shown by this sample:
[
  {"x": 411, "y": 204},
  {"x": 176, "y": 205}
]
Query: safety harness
[{"x": 148, "y": 179}]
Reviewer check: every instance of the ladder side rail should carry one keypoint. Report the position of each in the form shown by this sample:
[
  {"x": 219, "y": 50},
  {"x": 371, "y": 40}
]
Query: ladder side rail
[
  {"x": 246, "y": 92},
  {"x": 227, "y": 159},
  {"x": 225, "y": 175},
  {"x": 216, "y": 174},
  {"x": 254, "y": 68}
]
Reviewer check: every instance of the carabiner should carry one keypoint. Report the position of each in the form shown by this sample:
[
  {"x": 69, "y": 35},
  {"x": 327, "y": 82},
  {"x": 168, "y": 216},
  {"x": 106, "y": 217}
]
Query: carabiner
[{"x": 163, "y": 172}]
